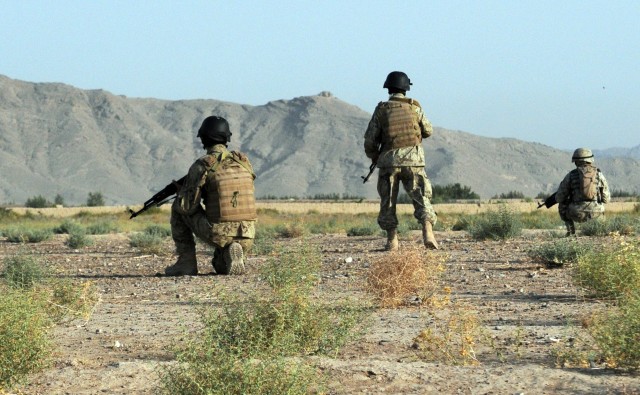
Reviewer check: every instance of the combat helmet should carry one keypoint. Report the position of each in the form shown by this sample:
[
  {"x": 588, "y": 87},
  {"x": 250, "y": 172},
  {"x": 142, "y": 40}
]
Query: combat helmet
[
  {"x": 582, "y": 155},
  {"x": 398, "y": 80},
  {"x": 214, "y": 130}
]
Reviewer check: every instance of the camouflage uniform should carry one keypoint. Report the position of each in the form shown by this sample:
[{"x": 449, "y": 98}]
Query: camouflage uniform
[
  {"x": 572, "y": 205},
  {"x": 188, "y": 217},
  {"x": 400, "y": 165}
]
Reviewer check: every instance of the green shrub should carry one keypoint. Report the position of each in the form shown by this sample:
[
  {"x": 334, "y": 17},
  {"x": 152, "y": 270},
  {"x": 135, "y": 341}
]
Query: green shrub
[
  {"x": 158, "y": 230},
  {"x": 23, "y": 271},
  {"x": 616, "y": 332},
  {"x": 621, "y": 224},
  {"x": 364, "y": 230},
  {"x": 147, "y": 243},
  {"x": 510, "y": 195},
  {"x": 24, "y": 342},
  {"x": 496, "y": 225},
  {"x": 67, "y": 227},
  {"x": 256, "y": 344},
  {"x": 102, "y": 228},
  {"x": 612, "y": 272},
  {"x": 78, "y": 239},
  {"x": 559, "y": 252},
  {"x": 24, "y": 235}
]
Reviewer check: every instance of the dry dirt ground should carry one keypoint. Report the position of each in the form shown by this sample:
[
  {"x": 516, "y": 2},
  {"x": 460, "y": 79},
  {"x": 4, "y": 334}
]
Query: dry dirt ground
[{"x": 524, "y": 309}]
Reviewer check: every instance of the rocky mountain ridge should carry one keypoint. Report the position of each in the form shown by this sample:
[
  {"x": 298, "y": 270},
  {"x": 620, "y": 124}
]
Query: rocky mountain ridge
[{"x": 57, "y": 139}]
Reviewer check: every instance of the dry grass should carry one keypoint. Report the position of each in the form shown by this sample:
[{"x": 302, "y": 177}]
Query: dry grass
[
  {"x": 348, "y": 207},
  {"x": 407, "y": 276}
]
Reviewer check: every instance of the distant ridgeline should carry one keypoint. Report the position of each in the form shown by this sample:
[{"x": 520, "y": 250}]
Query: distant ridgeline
[{"x": 61, "y": 142}]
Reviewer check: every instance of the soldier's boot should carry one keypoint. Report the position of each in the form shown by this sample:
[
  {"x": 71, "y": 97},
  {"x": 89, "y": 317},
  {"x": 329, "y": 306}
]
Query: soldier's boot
[
  {"x": 428, "y": 238},
  {"x": 234, "y": 258},
  {"x": 186, "y": 265},
  {"x": 571, "y": 228},
  {"x": 392, "y": 240}
]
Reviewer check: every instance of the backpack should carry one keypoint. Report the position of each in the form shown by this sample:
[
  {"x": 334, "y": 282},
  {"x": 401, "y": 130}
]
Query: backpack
[{"x": 588, "y": 181}]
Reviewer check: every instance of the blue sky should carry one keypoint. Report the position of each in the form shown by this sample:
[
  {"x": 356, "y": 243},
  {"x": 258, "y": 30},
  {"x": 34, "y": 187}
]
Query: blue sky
[{"x": 562, "y": 73}]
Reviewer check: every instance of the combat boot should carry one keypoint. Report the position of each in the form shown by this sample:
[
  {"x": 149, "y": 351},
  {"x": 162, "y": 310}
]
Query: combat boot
[
  {"x": 571, "y": 229},
  {"x": 392, "y": 240},
  {"x": 233, "y": 259},
  {"x": 186, "y": 265},
  {"x": 428, "y": 238}
]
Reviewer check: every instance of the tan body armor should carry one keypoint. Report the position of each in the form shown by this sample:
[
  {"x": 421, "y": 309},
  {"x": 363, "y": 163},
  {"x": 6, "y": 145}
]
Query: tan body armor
[
  {"x": 400, "y": 124},
  {"x": 584, "y": 183},
  {"x": 228, "y": 192}
]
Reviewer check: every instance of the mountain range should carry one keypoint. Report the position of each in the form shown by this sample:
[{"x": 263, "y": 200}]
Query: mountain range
[{"x": 58, "y": 139}]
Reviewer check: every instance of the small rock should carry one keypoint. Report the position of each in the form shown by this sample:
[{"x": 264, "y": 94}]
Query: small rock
[
  {"x": 117, "y": 344},
  {"x": 348, "y": 259}
]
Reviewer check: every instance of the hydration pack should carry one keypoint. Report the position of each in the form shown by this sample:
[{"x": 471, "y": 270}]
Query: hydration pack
[{"x": 588, "y": 182}]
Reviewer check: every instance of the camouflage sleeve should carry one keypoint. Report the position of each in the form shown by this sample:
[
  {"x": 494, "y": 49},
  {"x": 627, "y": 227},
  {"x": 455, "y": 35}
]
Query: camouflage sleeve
[
  {"x": 425, "y": 125},
  {"x": 564, "y": 190},
  {"x": 245, "y": 160},
  {"x": 372, "y": 137},
  {"x": 191, "y": 192},
  {"x": 605, "y": 194}
]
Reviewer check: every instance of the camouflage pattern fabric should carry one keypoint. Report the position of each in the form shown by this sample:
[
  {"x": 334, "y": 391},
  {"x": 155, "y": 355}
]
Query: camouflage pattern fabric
[
  {"x": 570, "y": 197},
  {"x": 188, "y": 217},
  {"x": 415, "y": 182},
  {"x": 401, "y": 165},
  {"x": 406, "y": 156}
]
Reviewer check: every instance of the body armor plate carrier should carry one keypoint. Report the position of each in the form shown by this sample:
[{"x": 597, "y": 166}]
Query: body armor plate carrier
[
  {"x": 229, "y": 193},
  {"x": 400, "y": 123}
]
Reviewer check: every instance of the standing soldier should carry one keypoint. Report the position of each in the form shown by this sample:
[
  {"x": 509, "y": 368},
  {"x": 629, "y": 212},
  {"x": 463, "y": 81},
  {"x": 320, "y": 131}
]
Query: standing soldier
[
  {"x": 223, "y": 181},
  {"x": 393, "y": 141},
  {"x": 583, "y": 192}
]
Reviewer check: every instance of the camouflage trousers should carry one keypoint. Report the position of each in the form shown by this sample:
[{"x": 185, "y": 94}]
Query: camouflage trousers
[
  {"x": 217, "y": 235},
  {"x": 415, "y": 182},
  {"x": 580, "y": 212}
]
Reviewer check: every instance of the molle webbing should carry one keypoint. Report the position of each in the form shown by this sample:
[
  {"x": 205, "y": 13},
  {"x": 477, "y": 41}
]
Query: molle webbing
[
  {"x": 400, "y": 124},
  {"x": 230, "y": 193},
  {"x": 584, "y": 183}
]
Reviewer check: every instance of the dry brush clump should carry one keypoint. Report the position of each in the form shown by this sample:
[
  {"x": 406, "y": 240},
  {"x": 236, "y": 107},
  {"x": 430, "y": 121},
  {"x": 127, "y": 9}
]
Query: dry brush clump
[
  {"x": 410, "y": 272},
  {"x": 451, "y": 336}
]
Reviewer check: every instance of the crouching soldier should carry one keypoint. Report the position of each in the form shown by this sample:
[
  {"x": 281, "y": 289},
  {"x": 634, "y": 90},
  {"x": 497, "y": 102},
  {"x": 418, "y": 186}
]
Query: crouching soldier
[
  {"x": 222, "y": 181},
  {"x": 583, "y": 192}
]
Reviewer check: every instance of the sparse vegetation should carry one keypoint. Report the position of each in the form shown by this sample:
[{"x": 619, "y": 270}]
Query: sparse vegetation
[
  {"x": 258, "y": 345},
  {"x": 146, "y": 242},
  {"x": 559, "y": 252},
  {"x": 30, "y": 306},
  {"x": 451, "y": 336},
  {"x": 611, "y": 272},
  {"x": 496, "y": 225},
  {"x": 27, "y": 235}
]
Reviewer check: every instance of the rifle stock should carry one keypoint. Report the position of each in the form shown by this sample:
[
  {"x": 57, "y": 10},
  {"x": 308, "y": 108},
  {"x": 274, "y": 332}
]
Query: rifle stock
[{"x": 160, "y": 198}]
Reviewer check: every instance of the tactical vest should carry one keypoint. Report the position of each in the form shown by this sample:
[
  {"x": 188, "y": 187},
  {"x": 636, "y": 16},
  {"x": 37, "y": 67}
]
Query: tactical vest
[
  {"x": 399, "y": 122},
  {"x": 584, "y": 183},
  {"x": 228, "y": 191}
]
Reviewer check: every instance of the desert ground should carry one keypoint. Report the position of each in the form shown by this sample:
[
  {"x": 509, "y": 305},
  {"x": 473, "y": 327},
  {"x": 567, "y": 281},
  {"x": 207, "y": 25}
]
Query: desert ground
[{"x": 526, "y": 308}]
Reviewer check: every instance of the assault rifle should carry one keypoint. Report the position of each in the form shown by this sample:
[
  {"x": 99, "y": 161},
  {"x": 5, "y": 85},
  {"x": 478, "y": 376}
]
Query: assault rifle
[
  {"x": 372, "y": 168},
  {"x": 165, "y": 195},
  {"x": 549, "y": 202}
]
